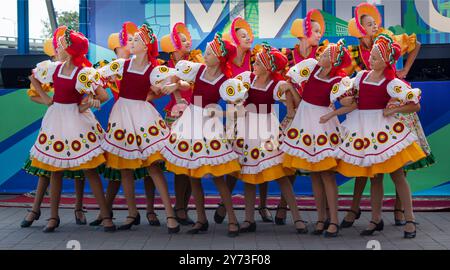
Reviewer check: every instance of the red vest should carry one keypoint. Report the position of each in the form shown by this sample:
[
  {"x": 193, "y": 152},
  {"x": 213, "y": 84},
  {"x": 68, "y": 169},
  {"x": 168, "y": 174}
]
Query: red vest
[
  {"x": 65, "y": 91},
  {"x": 133, "y": 85},
  {"x": 317, "y": 91},
  {"x": 209, "y": 93},
  {"x": 372, "y": 97},
  {"x": 263, "y": 100}
]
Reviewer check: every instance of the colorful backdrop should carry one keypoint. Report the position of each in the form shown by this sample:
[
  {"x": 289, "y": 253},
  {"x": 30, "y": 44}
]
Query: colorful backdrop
[{"x": 271, "y": 22}]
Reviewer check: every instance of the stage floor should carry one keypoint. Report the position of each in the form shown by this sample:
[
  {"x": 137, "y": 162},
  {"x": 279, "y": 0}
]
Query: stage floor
[{"x": 433, "y": 233}]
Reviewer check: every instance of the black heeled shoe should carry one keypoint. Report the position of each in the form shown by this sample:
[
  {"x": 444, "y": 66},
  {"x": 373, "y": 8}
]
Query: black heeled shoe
[
  {"x": 378, "y": 227},
  {"x": 98, "y": 222},
  {"x": 127, "y": 226},
  {"x": 317, "y": 231},
  {"x": 410, "y": 235},
  {"x": 156, "y": 222},
  {"x": 399, "y": 222},
  {"x": 327, "y": 224},
  {"x": 218, "y": 218},
  {"x": 49, "y": 229},
  {"x": 78, "y": 221},
  {"x": 233, "y": 233},
  {"x": 26, "y": 223},
  {"x": 334, "y": 234},
  {"x": 302, "y": 230},
  {"x": 174, "y": 229},
  {"x": 203, "y": 228},
  {"x": 262, "y": 212},
  {"x": 112, "y": 228},
  {"x": 183, "y": 221},
  {"x": 278, "y": 220},
  {"x": 348, "y": 224},
  {"x": 250, "y": 228}
]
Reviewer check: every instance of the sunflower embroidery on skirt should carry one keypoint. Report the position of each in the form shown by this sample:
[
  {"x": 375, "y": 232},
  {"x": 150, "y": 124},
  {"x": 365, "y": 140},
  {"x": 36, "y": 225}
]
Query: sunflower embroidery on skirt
[
  {"x": 197, "y": 148},
  {"x": 320, "y": 140},
  {"x": 72, "y": 147},
  {"x": 265, "y": 149},
  {"x": 376, "y": 139},
  {"x": 157, "y": 128}
]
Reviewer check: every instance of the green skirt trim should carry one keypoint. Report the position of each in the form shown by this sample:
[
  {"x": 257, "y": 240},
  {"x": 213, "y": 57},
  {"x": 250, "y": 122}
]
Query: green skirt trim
[
  {"x": 114, "y": 174},
  {"x": 78, "y": 175},
  {"x": 420, "y": 164}
]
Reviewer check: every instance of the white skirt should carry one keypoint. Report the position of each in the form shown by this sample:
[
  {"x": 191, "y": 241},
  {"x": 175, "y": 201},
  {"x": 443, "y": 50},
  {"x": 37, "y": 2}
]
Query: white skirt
[
  {"x": 257, "y": 142},
  {"x": 67, "y": 138},
  {"x": 308, "y": 139},
  {"x": 371, "y": 138},
  {"x": 135, "y": 130},
  {"x": 197, "y": 140}
]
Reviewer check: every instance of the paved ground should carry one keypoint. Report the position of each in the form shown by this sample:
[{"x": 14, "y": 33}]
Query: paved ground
[{"x": 433, "y": 233}]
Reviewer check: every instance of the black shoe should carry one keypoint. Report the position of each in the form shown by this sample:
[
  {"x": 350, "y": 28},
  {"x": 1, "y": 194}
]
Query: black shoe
[
  {"x": 302, "y": 230},
  {"x": 25, "y": 223},
  {"x": 112, "y": 228},
  {"x": 319, "y": 232},
  {"x": 127, "y": 226},
  {"x": 348, "y": 224},
  {"x": 203, "y": 228},
  {"x": 378, "y": 227},
  {"x": 250, "y": 228},
  {"x": 280, "y": 221},
  {"x": 233, "y": 233},
  {"x": 218, "y": 218},
  {"x": 173, "y": 230},
  {"x": 399, "y": 222},
  {"x": 334, "y": 234},
  {"x": 410, "y": 235},
  {"x": 98, "y": 222},
  {"x": 327, "y": 224},
  {"x": 262, "y": 212},
  {"x": 49, "y": 229},
  {"x": 153, "y": 222},
  {"x": 77, "y": 220},
  {"x": 183, "y": 221}
]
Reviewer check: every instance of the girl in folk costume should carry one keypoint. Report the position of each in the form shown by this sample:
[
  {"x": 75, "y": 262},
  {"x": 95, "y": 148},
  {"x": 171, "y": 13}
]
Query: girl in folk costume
[
  {"x": 178, "y": 45},
  {"x": 198, "y": 146},
  {"x": 241, "y": 35},
  {"x": 366, "y": 26},
  {"x": 44, "y": 175},
  {"x": 70, "y": 136},
  {"x": 314, "y": 133},
  {"x": 309, "y": 31},
  {"x": 257, "y": 137},
  {"x": 121, "y": 44},
  {"x": 375, "y": 141},
  {"x": 136, "y": 131}
]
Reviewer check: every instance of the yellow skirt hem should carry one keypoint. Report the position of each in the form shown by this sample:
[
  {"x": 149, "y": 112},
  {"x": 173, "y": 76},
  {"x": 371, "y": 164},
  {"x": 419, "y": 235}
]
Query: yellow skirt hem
[
  {"x": 297, "y": 163},
  {"x": 91, "y": 164},
  {"x": 214, "y": 170},
  {"x": 119, "y": 163},
  {"x": 267, "y": 175},
  {"x": 410, "y": 154}
]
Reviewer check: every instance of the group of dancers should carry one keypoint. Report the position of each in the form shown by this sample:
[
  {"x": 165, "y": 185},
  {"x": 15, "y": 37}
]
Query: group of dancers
[{"x": 381, "y": 134}]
